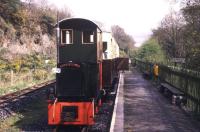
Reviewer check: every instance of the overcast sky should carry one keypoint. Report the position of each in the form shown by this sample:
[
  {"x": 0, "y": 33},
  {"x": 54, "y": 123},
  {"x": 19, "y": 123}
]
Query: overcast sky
[{"x": 137, "y": 17}]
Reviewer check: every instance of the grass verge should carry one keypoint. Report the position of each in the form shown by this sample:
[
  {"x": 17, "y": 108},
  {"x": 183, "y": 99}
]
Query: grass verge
[{"x": 30, "y": 118}]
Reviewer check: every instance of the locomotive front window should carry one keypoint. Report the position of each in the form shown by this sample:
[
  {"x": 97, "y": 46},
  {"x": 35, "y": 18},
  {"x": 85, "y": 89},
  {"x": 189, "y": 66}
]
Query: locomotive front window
[
  {"x": 66, "y": 36},
  {"x": 88, "y": 37}
]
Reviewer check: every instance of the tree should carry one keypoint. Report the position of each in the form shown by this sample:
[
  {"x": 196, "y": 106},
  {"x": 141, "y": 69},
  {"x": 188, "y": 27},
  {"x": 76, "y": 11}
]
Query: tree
[
  {"x": 65, "y": 12},
  {"x": 179, "y": 34},
  {"x": 169, "y": 35},
  {"x": 151, "y": 51},
  {"x": 191, "y": 13},
  {"x": 8, "y": 8},
  {"x": 124, "y": 40}
]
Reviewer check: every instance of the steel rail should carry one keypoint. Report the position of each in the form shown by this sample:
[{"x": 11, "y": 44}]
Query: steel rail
[{"x": 18, "y": 94}]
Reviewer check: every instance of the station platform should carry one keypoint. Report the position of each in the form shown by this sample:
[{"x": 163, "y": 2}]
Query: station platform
[
  {"x": 117, "y": 124},
  {"x": 139, "y": 107}
]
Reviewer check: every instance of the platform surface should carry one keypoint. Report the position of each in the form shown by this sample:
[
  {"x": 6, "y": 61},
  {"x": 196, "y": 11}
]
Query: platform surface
[{"x": 141, "y": 108}]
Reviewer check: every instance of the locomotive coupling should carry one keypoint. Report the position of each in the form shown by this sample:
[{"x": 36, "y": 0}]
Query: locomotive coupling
[{"x": 103, "y": 92}]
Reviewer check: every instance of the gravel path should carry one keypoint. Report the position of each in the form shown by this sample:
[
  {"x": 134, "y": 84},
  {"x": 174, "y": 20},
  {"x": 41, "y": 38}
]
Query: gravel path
[{"x": 147, "y": 110}]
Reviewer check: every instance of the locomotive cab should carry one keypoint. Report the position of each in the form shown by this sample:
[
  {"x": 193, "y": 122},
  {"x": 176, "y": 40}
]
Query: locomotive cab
[
  {"x": 79, "y": 81},
  {"x": 80, "y": 41}
]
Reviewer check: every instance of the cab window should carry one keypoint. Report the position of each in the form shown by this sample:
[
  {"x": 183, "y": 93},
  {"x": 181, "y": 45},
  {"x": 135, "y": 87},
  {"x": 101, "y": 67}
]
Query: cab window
[
  {"x": 66, "y": 36},
  {"x": 87, "y": 37}
]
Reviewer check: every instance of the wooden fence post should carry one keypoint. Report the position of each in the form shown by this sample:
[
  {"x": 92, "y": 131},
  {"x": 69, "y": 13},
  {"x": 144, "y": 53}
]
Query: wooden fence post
[{"x": 11, "y": 76}]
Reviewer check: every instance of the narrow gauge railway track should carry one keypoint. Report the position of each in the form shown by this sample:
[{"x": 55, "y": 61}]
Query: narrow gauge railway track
[
  {"x": 71, "y": 129},
  {"x": 15, "y": 95}
]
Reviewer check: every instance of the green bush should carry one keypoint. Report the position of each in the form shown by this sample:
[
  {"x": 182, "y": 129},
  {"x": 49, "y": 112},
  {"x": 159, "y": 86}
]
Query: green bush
[
  {"x": 7, "y": 30},
  {"x": 151, "y": 51},
  {"x": 122, "y": 53},
  {"x": 46, "y": 22}
]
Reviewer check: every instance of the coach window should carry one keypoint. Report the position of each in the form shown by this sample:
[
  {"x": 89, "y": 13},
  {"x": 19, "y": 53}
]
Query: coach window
[
  {"x": 66, "y": 36},
  {"x": 87, "y": 37}
]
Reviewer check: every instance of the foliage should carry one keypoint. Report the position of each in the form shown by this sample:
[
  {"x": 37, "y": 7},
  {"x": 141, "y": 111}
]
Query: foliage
[
  {"x": 133, "y": 53},
  {"x": 7, "y": 31},
  {"x": 5, "y": 77},
  {"x": 8, "y": 8},
  {"x": 64, "y": 13},
  {"x": 26, "y": 41},
  {"x": 28, "y": 27},
  {"x": 124, "y": 40},
  {"x": 179, "y": 34},
  {"x": 169, "y": 35},
  {"x": 26, "y": 63},
  {"x": 47, "y": 24},
  {"x": 29, "y": 31},
  {"x": 24, "y": 71},
  {"x": 191, "y": 33},
  {"x": 150, "y": 51},
  {"x": 122, "y": 53},
  {"x": 40, "y": 74}
]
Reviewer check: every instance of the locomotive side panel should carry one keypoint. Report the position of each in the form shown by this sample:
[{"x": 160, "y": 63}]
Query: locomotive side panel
[
  {"x": 78, "y": 53},
  {"x": 78, "y": 83}
]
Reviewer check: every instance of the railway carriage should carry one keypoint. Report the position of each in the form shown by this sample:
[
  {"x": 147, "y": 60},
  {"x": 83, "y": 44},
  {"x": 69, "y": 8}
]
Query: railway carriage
[{"x": 79, "y": 78}]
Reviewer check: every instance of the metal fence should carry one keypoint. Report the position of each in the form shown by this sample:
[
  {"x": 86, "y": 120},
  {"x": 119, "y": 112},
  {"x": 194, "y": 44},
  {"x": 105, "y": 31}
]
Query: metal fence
[{"x": 185, "y": 80}]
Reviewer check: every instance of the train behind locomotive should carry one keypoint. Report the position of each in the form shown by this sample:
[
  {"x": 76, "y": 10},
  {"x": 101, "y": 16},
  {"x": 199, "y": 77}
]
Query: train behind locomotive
[{"x": 82, "y": 75}]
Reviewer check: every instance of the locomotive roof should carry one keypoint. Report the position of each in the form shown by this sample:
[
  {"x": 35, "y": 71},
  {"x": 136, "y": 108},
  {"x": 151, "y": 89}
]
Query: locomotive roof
[{"x": 80, "y": 19}]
